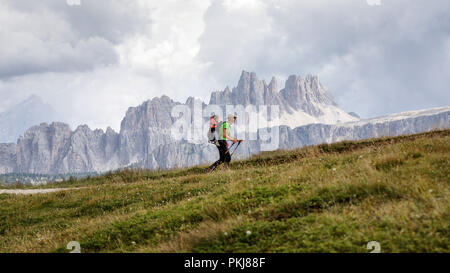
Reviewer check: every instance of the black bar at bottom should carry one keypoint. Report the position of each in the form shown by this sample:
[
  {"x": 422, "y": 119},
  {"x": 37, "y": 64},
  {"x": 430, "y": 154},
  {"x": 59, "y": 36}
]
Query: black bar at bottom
[{"x": 229, "y": 262}]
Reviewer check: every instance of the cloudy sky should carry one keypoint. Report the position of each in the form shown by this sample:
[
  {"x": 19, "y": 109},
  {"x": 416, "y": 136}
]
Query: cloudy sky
[{"x": 94, "y": 60}]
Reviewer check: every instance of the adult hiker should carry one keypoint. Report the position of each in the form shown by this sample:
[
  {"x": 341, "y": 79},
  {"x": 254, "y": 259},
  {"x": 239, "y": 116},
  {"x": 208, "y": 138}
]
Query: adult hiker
[{"x": 224, "y": 134}]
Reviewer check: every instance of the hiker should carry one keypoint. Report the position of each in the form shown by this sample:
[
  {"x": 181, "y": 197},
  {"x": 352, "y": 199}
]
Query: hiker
[
  {"x": 212, "y": 135},
  {"x": 224, "y": 134}
]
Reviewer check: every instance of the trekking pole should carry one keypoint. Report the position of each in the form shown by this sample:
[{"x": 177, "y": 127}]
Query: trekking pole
[
  {"x": 239, "y": 143},
  {"x": 230, "y": 148}
]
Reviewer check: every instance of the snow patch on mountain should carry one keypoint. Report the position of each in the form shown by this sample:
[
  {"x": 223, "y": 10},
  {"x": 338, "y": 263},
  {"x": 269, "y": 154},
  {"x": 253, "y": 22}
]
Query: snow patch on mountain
[
  {"x": 330, "y": 115},
  {"x": 399, "y": 116}
]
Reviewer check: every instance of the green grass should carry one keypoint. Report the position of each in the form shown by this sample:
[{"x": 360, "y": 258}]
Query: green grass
[{"x": 325, "y": 198}]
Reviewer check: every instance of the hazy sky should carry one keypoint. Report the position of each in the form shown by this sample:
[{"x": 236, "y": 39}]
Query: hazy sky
[{"x": 94, "y": 60}]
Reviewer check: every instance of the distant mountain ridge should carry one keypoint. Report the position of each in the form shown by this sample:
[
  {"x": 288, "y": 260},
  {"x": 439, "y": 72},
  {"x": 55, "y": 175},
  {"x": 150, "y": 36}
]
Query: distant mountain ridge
[
  {"x": 309, "y": 116},
  {"x": 17, "y": 119}
]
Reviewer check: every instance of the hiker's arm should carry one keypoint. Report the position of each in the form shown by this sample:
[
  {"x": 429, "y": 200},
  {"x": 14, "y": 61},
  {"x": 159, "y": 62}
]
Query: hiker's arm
[{"x": 224, "y": 134}]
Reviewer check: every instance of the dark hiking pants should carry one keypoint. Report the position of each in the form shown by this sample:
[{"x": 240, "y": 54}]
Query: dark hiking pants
[{"x": 224, "y": 155}]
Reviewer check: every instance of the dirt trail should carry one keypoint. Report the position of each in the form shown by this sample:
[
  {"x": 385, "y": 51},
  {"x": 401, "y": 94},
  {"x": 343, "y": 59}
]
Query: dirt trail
[{"x": 35, "y": 191}]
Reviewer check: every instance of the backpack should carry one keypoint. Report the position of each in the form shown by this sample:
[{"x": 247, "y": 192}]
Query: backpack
[{"x": 212, "y": 132}]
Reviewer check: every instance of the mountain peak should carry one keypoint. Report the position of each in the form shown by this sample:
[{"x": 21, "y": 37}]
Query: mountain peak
[
  {"x": 273, "y": 81},
  {"x": 17, "y": 119},
  {"x": 246, "y": 80},
  {"x": 33, "y": 97},
  {"x": 246, "y": 74},
  {"x": 299, "y": 94},
  {"x": 32, "y": 100}
]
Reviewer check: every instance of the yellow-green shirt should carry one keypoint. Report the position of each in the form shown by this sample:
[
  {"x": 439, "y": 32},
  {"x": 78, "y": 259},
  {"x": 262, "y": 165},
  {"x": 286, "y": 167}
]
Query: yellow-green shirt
[{"x": 225, "y": 125}]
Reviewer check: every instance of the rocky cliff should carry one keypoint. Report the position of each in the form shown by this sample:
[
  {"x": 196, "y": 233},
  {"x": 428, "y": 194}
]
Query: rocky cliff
[
  {"x": 309, "y": 116},
  {"x": 54, "y": 148},
  {"x": 8, "y": 158},
  {"x": 302, "y": 100},
  {"x": 144, "y": 128},
  {"x": 312, "y": 134}
]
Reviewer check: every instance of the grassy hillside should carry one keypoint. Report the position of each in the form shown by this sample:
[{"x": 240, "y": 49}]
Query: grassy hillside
[{"x": 326, "y": 198}]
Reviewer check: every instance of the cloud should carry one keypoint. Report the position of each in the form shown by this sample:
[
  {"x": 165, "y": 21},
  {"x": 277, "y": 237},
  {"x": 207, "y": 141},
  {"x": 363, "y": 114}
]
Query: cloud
[
  {"x": 90, "y": 73},
  {"x": 51, "y": 36},
  {"x": 91, "y": 62},
  {"x": 374, "y": 59}
]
